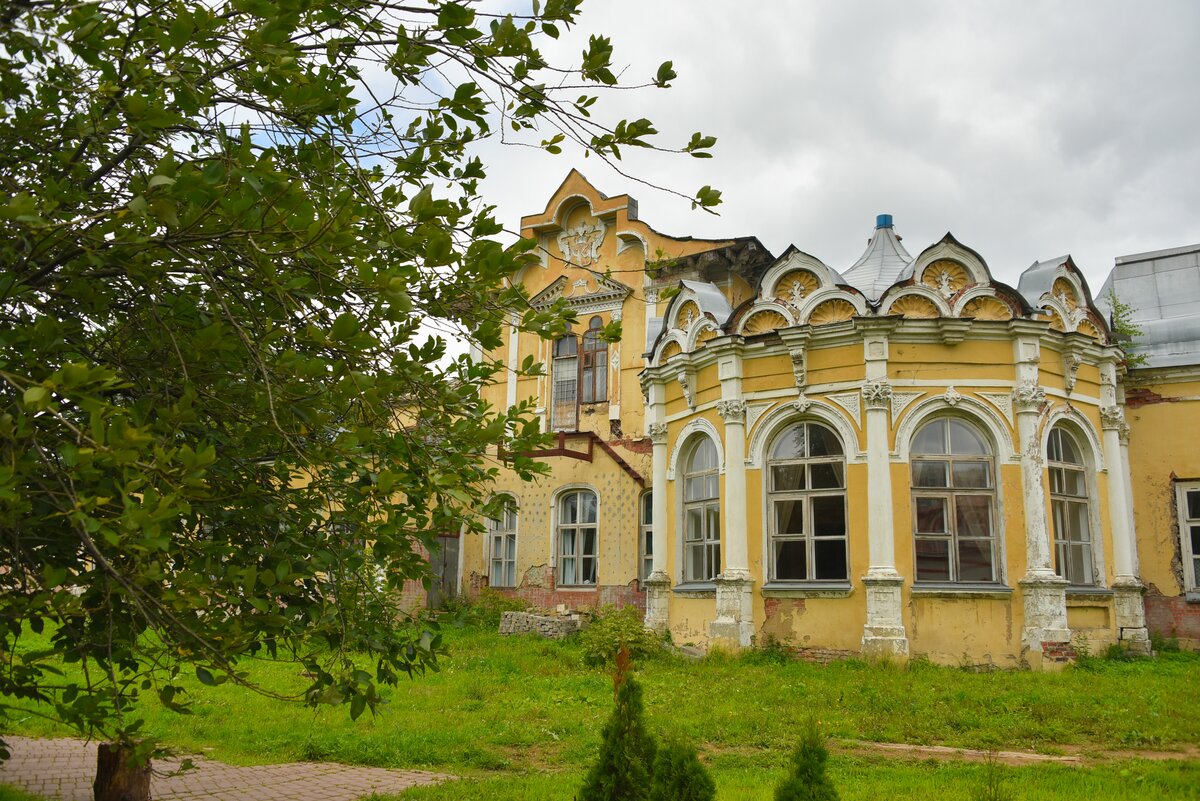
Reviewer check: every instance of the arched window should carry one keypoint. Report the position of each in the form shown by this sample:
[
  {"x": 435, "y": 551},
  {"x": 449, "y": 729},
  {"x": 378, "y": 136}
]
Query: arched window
[
  {"x": 1069, "y": 509},
  {"x": 807, "y": 499},
  {"x": 502, "y": 546},
  {"x": 577, "y": 537},
  {"x": 701, "y": 513},
  {"x": 564, "y": 414},
  {"x": 953, "y": 479},
  {"x": 646, "y": 535},
  {"x": 593, "y": 374}
]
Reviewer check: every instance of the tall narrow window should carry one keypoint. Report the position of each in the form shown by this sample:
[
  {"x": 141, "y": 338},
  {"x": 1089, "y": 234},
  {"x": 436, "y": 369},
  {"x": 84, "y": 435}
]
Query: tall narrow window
[
  {"x": 1188, "y": 503},
  {"x": 577, "y": 535},
  {"x": 564, "y": 411},
  {"x": 701, "y": 514},
  {"x": 807, "y": 497},
  {"x": 953, "y": 479},
  {"x": 1069, "y": 508},
  {"x": 502, "y": 547},
  {"x": 593, "y": 373},
  {"x": 646, "y": 536}
]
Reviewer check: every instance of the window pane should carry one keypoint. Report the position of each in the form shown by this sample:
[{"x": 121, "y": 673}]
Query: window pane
[
  {"x": 1054, "y": 446},
  {"x": 588, "y": 571},
  {"x": 704, "y": 457},
  {"x": 1081, "y": 563},
  {"x": 973, "y": 515},
  {"x": 714, "y": 561},
  {"x": 647, "y": 543},
  {"x": 567, "y": 542},
  {"x": 568, "y": 571},
  {"x": 787, "y": 477},
  {"x": 790, "y": 444},
  {"x": 510, "y": 575},
  {"x": 931, "y": 515},
  {"x": 830, "y": 560},
  {"x": 1196, "y": 577},
  {"x": 510, "y": 547},
  {"x": 589, "y": 541},
  {"x": 930, "y": 474},
  {"x": 829, "y": 516},
  {"x": 695, "y": 562},
  {"x": 964, "y": 440},
  {"x": 570, "y": 507},
  {"x": 825, "y": 475},
  {"x": 789, "y": 517},
  {"x": 600, "y": 393},
  {"x": 1081, "y": 530},
  {"x": 712, "y": 486},
  {"x": 713, "y": 522},
  {"x": 791, "y": 560},
  {"x": 1057, "y": 482},
  {"x": 1072, "y": 483},
  {"x": 1069, "y": 453},
  {"x": 695, "y": 527},
  {"x": 933, "y": 560},
  {"x": 1061, "y": 556},
  {"x": 1195, "y": 541},
  {"x": 1193, "y": 504},
  {"x": 931, "y": 439},
  {"x": 974, "y": 560},
  {"x": 565, "y": 347},
  {"x": 972, "y": 474},
  {"x": 822, "y": 441},
  {"x": 587, "y": 507},
  {"x": 1058, "y": 511},
  {"x": 647, "y": 509},
  {"x": 693, "y": 488}
]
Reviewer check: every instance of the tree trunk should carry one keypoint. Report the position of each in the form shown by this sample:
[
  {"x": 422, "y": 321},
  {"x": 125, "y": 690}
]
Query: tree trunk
[{"x": 118, "y": 778}]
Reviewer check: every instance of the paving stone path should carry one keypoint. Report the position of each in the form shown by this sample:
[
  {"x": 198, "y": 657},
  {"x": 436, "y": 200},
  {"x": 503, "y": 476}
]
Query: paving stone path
[{"x": 64, "y": 769}]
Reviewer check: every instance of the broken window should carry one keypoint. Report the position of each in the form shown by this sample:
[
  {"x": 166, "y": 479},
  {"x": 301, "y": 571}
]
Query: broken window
[
  {"x": 702, "y": 513},
  {"x": 564, "y": 406},
  {"x": 807, "y": 503},
  {"x": 953, "y": 500},
  {"x": 1069, "y": 509}
]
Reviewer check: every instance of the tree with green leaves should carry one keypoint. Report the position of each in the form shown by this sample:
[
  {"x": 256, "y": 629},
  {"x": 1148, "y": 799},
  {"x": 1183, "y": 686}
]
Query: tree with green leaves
[
  {"x": 225, "y": 427},
  {"x": 622, "y": 771},
  {"x": 680, "y": 776},
  {"x": 807, "y": 780}
]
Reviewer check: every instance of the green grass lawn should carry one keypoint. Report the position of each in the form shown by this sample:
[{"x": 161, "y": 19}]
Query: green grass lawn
[{"x": 520, "y": 717}]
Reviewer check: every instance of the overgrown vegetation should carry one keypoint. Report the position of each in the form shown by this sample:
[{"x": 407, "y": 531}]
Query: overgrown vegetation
[
  {"x": 616, "y": 628},
  {"x": 680, "y": 776},
  {"x": 1125, "y": 330},
  {"x": 806, "y": 779}
]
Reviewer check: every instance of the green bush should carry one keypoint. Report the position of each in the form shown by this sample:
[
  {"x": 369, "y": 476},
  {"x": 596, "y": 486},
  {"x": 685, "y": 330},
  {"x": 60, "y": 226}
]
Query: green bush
[
  {"x": 622, "y": 772},
  {"x": 485, "y": 610},
  {"x": 615, "y": 628},
  {"x": 679, "y": 776},
  {"x": 808, "y": 781}
]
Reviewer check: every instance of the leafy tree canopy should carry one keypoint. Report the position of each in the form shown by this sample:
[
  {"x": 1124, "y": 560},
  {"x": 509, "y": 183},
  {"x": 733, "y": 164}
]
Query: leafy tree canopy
[{"x": 222, "y": 225}]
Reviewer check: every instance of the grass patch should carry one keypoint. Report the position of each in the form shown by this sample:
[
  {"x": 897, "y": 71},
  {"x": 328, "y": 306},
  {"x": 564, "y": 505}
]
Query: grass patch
[{"x": 521, "y": 718}]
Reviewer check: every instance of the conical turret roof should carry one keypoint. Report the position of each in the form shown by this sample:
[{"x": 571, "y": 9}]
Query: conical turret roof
[{"x": 881, "y": 264}]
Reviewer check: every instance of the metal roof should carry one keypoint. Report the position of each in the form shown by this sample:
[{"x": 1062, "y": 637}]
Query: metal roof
[
  {"x": 881, "y": 264},
  {"x": 1162, "y": 289},
  {"x": 1038, "y": 279},
  {"x": 710, "y": 300}
]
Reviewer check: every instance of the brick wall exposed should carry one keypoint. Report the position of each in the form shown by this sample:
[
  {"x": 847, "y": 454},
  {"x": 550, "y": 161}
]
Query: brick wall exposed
[
  {"x": 539, "y": 591},
  {"x": 1173, "y": 616}
]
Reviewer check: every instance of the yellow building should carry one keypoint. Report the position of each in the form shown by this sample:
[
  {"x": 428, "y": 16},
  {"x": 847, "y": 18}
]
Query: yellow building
[{"x": 903, "y": 457}]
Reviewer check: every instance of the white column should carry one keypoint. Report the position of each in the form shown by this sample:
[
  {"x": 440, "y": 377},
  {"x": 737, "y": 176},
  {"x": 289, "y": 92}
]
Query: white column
[
  {"x": 1044, "y": 592},
  {"x": 514, "y": 360},
  {"x": 658, "y": 583},
  {"x": 1128, "y": 589},
  {"x": 734, "y": 624}
]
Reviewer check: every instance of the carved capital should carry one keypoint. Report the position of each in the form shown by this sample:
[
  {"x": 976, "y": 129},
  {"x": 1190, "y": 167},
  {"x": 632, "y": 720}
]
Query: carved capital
[
  {"x": 732, "y": 411},
  {"x": 1112, "y": 418},
  {"x": 799, "y": 366},
  {"x": 651, "y": 295},
  {"x": 877, "y": 394},
  {"x": 1029, "y": 397},
  {"x": 658, "y": 433}
]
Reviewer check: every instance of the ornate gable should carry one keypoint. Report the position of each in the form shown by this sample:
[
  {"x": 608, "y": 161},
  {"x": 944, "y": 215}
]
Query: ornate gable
[{"x": 608, "y": 295}]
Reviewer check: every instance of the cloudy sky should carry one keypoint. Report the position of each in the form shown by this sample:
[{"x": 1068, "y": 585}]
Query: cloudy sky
[{"x": 1028, "y": 130}]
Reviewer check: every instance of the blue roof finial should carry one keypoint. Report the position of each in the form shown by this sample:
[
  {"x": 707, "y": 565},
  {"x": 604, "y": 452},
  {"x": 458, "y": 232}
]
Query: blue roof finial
[{"x": 883, "y": 221}]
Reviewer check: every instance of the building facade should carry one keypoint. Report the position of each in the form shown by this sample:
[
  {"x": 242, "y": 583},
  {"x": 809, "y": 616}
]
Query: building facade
[{"x": 903, "y": 457}]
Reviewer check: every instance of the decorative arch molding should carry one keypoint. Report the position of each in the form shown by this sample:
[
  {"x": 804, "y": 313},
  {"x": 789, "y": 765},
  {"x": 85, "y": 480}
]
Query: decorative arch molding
[
  {"x": 692, "y": 337},
  {"x": 671, "y": 337},
  {"x": 568, "y": 204},
  {"x": 831, "y": 293},
  {"x": 962, "y": 406},
  {"x": 777, "y": 419},
  {"x": 1080, "y": 425},
  {"x": 627, "y": 240},
  {"x": 766, "y": 306},
  {"x": 790, "y": 262},
  {"x": 982, "y": 291},
  {"x": 950, "y": 250},
  {"x": 699, "y": 427},
  {"x": 920, "y": 291},
  {"x": 553, "y": 517}
]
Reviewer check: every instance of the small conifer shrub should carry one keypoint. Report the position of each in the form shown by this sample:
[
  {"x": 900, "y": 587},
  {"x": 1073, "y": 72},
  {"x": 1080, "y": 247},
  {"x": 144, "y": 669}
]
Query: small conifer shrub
[
  {"x": 623, "y": 770},
  {"x": 679, "y": 776},
  {"x": 808, "y": 781}
]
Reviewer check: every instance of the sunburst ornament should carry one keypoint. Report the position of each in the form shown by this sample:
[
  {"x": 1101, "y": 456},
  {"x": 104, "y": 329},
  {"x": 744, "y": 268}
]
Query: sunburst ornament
[
  {"x": 765, "y": 321},
  {"x": 946, "y": 277},
  {"x": 986, "y": 308},
  {"x": 914, "y": 307},
  {"x": 832, "y": 311}
]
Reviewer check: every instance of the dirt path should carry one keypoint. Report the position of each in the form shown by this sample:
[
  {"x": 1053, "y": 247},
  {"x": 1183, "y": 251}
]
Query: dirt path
[{"x": 1072, "y": 755}]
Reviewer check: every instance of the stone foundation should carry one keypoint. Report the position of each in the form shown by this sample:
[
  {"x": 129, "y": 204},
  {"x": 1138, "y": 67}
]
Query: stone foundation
[{"x": 553, "y": 627}]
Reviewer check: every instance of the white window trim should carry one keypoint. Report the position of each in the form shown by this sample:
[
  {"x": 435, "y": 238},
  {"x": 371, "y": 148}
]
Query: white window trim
[
  {"x": 684, "y": 447},
  {"x": 1084, "y": 443},
  {"x": 490, "y": 535},
  {"x": 645, "y": 535},
  {"x": 554, "y": 544},
  {"x": 1187, "y": 556}
]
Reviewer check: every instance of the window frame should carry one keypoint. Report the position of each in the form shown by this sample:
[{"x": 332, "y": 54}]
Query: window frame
[
  {"x": 1189, "y": 555},
  {"x": 593, "y": 364},
  {"x": 709, "y": 509},
  {"x": 507, "y": 536},
  {"x": 578, "y": 555},
  {"x": 645, "y": 535},
  {"x": 808, "y": 535},
  {"x": 950, "y": 495},
  {"x": 564, "y": 374},
  {"x": 1060, "y": 499}
]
